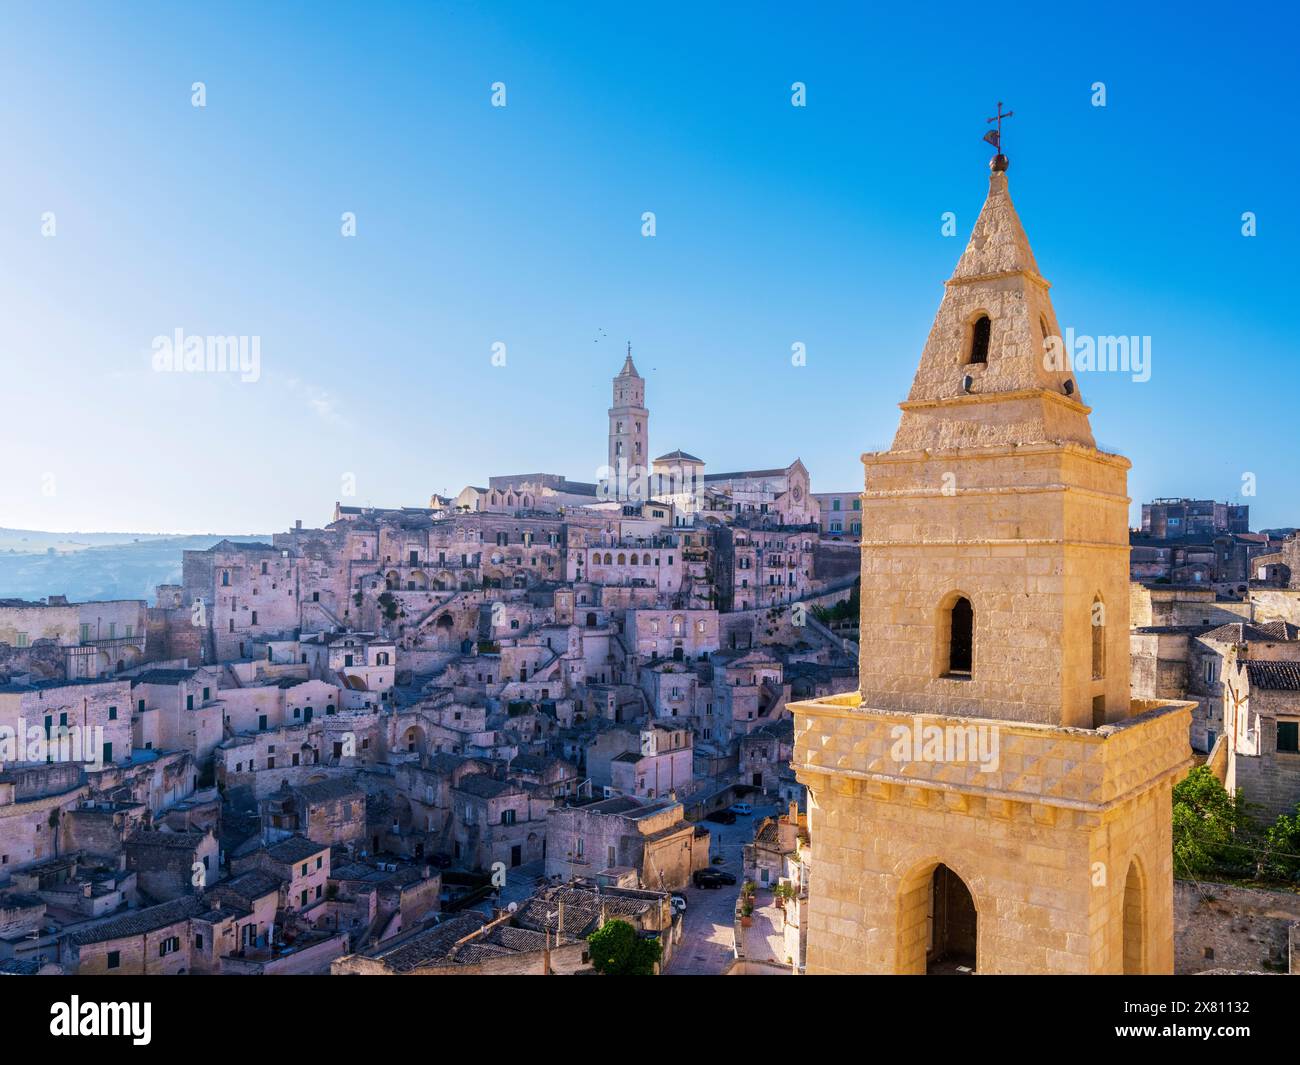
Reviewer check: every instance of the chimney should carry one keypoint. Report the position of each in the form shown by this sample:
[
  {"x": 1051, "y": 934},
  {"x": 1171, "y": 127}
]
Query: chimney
[
  {"x": 794, "y": 813},
  {"x": 298, "y": 524}
]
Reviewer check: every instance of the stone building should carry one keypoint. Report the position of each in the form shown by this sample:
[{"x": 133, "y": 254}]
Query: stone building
[
  {"x": 992, "y": 799},
  {"x": 1262, "y": 730},
  {"x": 652, "y": 838},
  {"x": 169, "y": 865},
  {"x": 777, "y": 842},
  {"x": 87, "y": 721},
  {"x": 154, "y": 941},
  {"x": 629, "y": 431},
  {"x": 497, "y": 821},
  {"x": 783, "y": 494},
  {"x": 681, "y": 635},
  {"x": 761, "y": 565},
  {"x": 1175, "y": 518},
  {"x": 56, "y": 639},
  {"x": 840, "y": 515},
  {"x": 300, "y": 865},
  {"x": 748, "y": 691},
  {"x": 764, "y": 753},
  {"x": 547, "y": 935},
  {"x": 178, "y": 709},
  {"x": 329, "y": 811}
]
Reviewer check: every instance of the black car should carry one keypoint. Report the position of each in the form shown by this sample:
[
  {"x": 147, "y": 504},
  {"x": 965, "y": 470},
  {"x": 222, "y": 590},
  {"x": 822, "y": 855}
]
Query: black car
[
  {"x": 721, "y": 817},
  {"x": 710, "y": 878},
  {"x": 726, "y": 878}
]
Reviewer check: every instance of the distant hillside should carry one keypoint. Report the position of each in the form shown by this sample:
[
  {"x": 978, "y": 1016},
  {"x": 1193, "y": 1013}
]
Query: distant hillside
[{"x": 85, "y": 566}]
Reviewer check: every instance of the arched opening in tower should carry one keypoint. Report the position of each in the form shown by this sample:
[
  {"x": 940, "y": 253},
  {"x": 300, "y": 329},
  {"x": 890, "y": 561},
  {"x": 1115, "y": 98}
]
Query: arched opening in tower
[
  {"x": 961, "y": 637},
  {"x": 953, "y": 926},
  {"x": 1134, "y": 946},
  {"x": 979, "y": 341},
  {"x": 1098, "y": 639}
]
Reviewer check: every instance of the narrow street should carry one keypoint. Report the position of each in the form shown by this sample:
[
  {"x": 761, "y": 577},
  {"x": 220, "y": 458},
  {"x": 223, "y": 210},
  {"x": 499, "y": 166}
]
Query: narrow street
[{"x": 708, "y": 938}]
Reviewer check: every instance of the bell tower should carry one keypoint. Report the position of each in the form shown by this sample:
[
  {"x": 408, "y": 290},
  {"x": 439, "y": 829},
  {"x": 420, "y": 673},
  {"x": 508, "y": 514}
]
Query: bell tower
[
  {"x": 629, "y": 427},
  {"x": 995, "y": 494},
  {"x": 992, "y": 799}
]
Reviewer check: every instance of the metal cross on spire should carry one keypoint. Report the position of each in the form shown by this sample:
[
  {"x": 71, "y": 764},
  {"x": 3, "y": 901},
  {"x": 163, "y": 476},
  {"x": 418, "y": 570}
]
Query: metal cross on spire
[{"x": 994, "y": 137}]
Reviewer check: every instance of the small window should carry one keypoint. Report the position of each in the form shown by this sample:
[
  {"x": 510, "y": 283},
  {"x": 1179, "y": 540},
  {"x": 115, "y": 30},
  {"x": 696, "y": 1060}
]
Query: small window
[
  {"x": 1098, "y": 622},
  {"x": 114, "y": 959},
  {"x": 1288, "y": 736},
  {"x": 979, "y": 339},
  {"x": 961, "y": 637}
]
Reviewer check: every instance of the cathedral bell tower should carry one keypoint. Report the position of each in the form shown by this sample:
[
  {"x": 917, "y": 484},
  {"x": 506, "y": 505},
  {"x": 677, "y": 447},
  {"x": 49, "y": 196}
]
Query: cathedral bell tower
[
  {"x": 991, "y": 799},
  {"x": 629, "y": 430}
]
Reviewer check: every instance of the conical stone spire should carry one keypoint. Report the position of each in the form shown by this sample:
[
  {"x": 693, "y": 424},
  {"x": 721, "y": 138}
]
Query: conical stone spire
[
  {"x": 629, "y": 370},
  {"x": 1008, "y": 391}
]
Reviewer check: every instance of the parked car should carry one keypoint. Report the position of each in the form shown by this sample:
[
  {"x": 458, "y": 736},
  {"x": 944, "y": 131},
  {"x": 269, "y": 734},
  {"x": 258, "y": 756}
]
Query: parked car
[
  {"x": 710, "y": 878},
  {"x": 721, "y": 817},
  {"x": 679, "y": 904},
  {"x": 725, "y": 877},
  {"x": 742, "y": 808}
]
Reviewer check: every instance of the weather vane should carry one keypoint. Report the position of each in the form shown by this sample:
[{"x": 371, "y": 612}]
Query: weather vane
[{"x": 994, "y": 137}]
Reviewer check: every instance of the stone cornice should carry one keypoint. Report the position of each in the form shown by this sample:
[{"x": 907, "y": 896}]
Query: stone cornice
[
  {"x": 975, "y": 279},
  {"x": 1021, "y": 738},
  {"x": 974, "y": 399},
  {"x": 994, "y": 490},
  {"x": 1040, "y": 447}
]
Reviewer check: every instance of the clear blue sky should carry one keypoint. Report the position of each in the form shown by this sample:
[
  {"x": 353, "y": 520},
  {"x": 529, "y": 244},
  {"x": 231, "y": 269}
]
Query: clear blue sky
[{"x": 522, "y": 225}]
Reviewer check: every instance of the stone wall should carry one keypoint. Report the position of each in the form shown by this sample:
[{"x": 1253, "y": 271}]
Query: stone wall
[
  {"x": 1048, "y": 841},
  {"x": 1220, "y": 926}
]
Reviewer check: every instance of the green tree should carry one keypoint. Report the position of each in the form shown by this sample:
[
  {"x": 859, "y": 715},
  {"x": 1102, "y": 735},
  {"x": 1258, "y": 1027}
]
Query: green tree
[
  {"x": 1208, "y": 826},
  {"x": 616, "y": 950},
  {"x": 1281, "y": 858}
]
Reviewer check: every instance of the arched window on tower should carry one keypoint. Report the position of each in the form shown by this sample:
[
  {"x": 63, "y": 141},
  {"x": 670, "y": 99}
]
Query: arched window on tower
[
  {"x": 979, "y": 339},
  {"x": 960, "y": 618},
  {"x": 1098, "y": 620}
]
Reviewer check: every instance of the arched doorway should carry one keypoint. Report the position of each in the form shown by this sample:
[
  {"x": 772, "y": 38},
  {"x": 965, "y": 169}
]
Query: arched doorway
[
  {"x": 1134, "y": 940},
  {"x": 414, "y": 740},
  {"x": 953, "y": 925},
  {"x": 443, "y": 631},
  {"x": 938, "y": 923}
]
